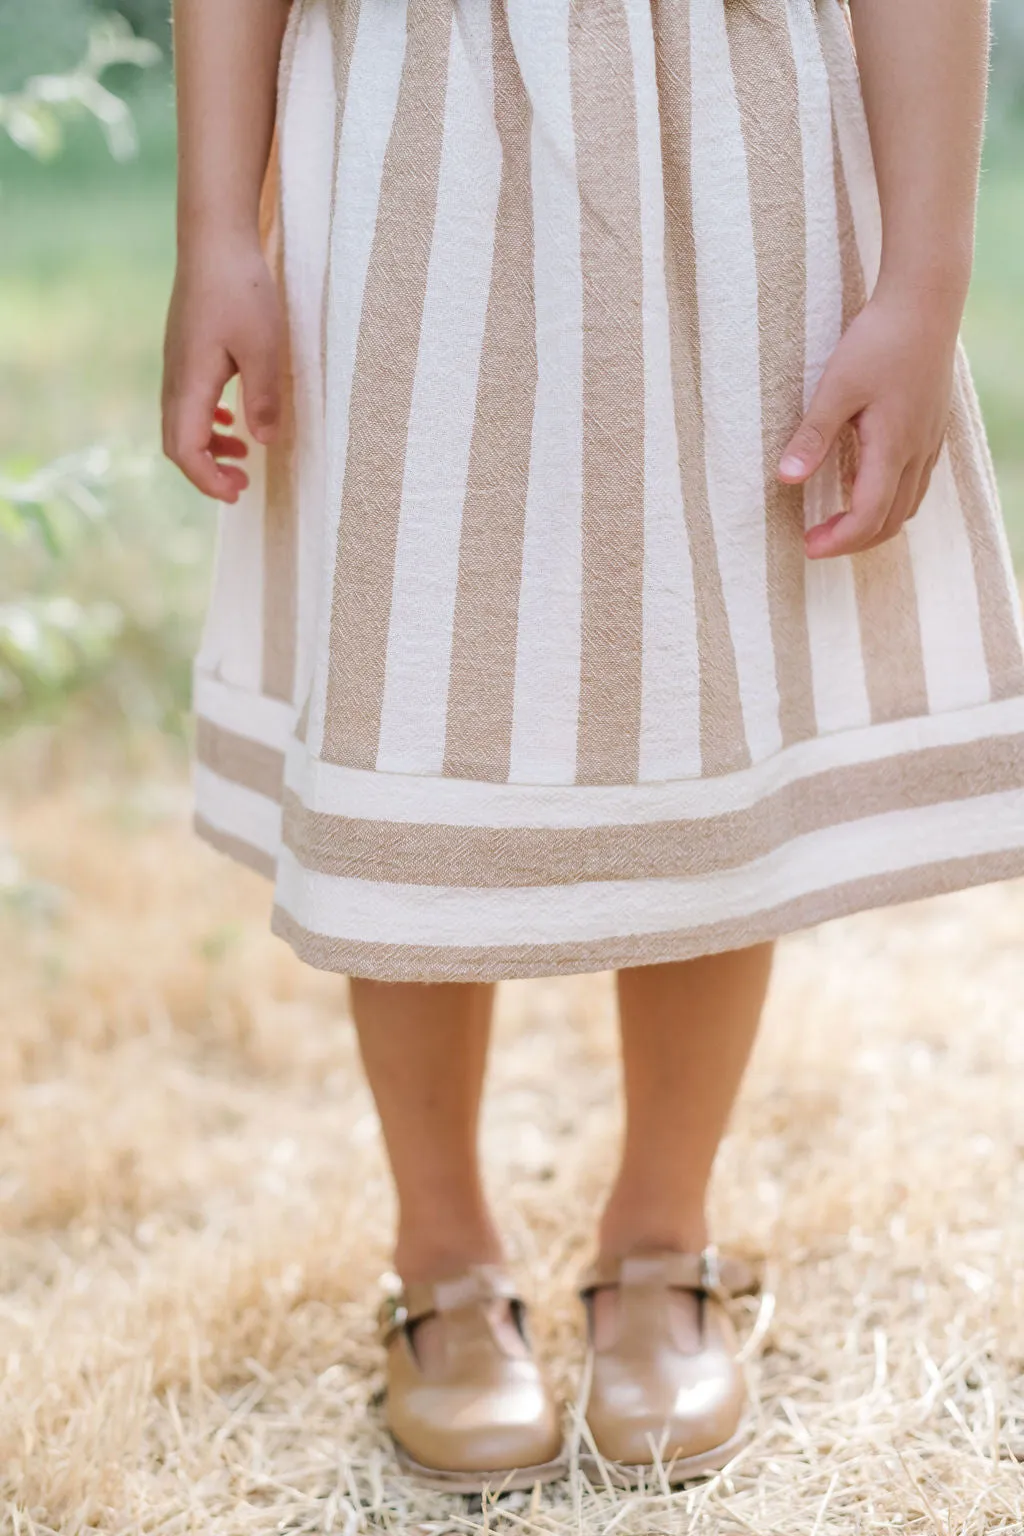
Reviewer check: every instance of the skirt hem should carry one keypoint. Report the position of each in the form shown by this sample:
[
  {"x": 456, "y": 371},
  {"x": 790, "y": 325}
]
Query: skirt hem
[
  {"x": 421, "y": 963},
  {"x": 450, "y": 881}
]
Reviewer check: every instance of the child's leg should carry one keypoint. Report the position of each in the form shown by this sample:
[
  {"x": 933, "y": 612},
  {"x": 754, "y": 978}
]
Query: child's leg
[
  {"x": 465, "y": 1401},
  {"x": 687, "y": 1030},
  {"x": 425, "y": 1050}
]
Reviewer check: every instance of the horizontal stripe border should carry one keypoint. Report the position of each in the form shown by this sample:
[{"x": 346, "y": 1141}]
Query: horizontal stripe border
[
  {"x": 252, "y": 764},
  {"x": 235, "y": 847},
  {"x": 437, "y": 963},
  {"x": 414, "y": 853},
  {"x": 978, "y": 780},
  {"x": 419, "y": 798}
]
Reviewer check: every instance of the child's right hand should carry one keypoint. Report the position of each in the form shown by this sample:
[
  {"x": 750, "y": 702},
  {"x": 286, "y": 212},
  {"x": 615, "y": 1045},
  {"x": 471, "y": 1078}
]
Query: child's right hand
[{"x": 224, "y": 319}]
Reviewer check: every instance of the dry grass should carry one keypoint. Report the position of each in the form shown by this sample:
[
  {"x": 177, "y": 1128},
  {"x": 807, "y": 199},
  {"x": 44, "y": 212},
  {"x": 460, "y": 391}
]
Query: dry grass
[{"x": 196, "y": 1212}]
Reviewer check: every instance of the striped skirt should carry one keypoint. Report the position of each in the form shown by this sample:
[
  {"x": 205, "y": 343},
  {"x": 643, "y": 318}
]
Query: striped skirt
[{"x": 514, "y": 663}]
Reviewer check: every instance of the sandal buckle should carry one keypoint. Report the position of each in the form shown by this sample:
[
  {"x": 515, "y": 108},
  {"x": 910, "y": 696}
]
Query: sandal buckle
[
  {"x": 392, "y": 1318},
  {"x": 392, "y": 1314},
  {"x": 711, "y": 1273}
]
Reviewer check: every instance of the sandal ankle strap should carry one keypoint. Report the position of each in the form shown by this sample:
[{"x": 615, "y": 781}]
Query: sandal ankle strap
[
  {"x": 406, "y": 1305},
  {"x": 706, "y": 1273}
]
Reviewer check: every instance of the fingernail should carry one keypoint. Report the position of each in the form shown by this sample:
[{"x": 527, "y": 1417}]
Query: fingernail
[{"x": 791, "y": 465}]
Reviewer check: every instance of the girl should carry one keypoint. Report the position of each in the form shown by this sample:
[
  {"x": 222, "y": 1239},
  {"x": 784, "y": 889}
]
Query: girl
[{"x": 617, "y": 581}]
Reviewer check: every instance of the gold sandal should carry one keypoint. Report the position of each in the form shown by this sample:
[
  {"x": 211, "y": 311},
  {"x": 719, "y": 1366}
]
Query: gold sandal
[
  {"x": 484, "y": 1417},
  {"x": 650, "y": 1401}
]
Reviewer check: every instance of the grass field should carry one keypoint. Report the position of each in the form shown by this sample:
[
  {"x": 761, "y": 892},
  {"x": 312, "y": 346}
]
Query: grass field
[{"x": 195, "y": 1211}]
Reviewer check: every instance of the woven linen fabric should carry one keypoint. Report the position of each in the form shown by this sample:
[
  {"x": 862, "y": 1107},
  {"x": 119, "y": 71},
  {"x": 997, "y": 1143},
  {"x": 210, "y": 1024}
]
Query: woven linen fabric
[{"x": 514, "y": 663}]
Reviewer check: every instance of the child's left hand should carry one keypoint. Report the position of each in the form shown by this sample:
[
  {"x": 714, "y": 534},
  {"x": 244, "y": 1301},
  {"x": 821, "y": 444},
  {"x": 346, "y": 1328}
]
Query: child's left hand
[{"x": 891, "y": 377}]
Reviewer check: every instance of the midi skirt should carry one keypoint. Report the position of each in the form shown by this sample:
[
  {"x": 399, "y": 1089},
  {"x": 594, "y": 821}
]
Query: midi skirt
[{"x": 514, "y": 663}]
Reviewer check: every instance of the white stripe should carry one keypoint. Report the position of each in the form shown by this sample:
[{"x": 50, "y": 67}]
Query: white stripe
[
  {"x": 956, "y": 672},
  {"x": 731, "y": 369},
  {"x": 413, "y": 711},
  {"x": 253, "y": 715},
  {"x": 219, "y": 616},
  {"x": 852, "y": 134},
  {"x": 841, "y": 700},
  {"x": 375, "y": 75},
  {"x": 670, "y": 704},
  {"x": 547, "y": 686},
  {"x": 238, "y": 811},
  {"x": 307, "y": 162},
  {"x": 232, "y": 642},
  {"x": 339, "y": 791},
  {"x": 955, "y": 668},
  {"x": 369, "y": 912}
]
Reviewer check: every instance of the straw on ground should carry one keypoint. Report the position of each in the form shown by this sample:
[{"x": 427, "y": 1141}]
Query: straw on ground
[{"x": 196, "y": 1212}]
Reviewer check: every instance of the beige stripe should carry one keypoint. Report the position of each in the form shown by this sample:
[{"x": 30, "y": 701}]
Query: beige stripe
[
  {"x": 236, "y": 848},
  {"x": 479, "y": 719},
  {"x": 385, "y": 369},
  {"x": 968, "y": 452},
  {"x": 242, "y": 761},
  {"x": 280, "y": 514},
  {"x": 766, "y": 84},
  {"x": 505, "y": 857},
  {"x": 723, "y": 739},
  {"x": 608, "y": 173},
  {"x": 883, "y": 577},
  {"x": 410, "y": 962}
]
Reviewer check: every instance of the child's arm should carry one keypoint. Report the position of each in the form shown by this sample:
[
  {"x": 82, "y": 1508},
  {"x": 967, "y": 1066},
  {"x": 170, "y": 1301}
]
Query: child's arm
[
  {"x": 923, "y": 68},
  {"x": 223, "y": 317}
]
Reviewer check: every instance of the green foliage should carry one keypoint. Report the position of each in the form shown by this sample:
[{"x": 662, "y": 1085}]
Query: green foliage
[
  {"x": 147, "y": 18},
  {"x": 49, "y": 36},
  {"x": 43, "y": 37},
  {"x": 114, "y": 579},
  {"x": 49, "y": 648},
  {"x": 53, "y": 502},
  {"x": 1007, "y": 62},
  {"x": 73, "y": 613},
  {"x": 33, "y": 116},
  {"x": 52, "y": 644}
]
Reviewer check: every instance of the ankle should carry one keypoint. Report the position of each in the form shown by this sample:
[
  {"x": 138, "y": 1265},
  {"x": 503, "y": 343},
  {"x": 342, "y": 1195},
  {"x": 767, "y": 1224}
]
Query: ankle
[
  {"x": 441, "y": 1253},
  {"x": 630, "y": 1228}
]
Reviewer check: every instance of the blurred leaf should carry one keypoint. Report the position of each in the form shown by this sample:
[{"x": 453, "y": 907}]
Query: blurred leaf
[
  {"x": 219, "y": 942},
  {"x": 47, "y": 644},
  {"x": 112, "y": 41},
  {"x": 148, "y": 18},
  {"x": 12, "y": 522},
  {"x": 38, "y": 516},
  {"x": 33, "y": 116},
  {"x": 42, "y": 35},
  {"x": 32, "y": 126},
  {"x": 61, "y": 500}
]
